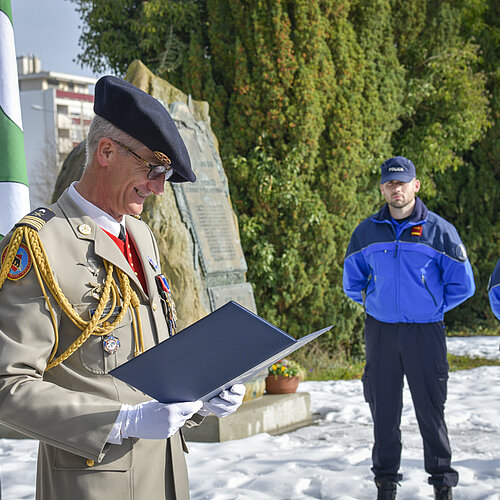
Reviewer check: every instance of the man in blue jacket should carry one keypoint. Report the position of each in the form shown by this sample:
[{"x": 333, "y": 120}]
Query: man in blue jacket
[
  {"x": 494, "y": 291},
  {"x": 407, "y": 266}
]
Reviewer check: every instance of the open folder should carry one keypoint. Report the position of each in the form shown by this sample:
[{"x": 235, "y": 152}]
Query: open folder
[{"x": 229, "y": 346}]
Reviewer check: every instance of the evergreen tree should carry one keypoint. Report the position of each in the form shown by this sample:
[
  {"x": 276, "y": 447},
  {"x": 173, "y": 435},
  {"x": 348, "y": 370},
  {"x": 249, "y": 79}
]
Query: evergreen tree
[
  {"x": 308, "y": 97},
  {"x": 470, "y": 197}
]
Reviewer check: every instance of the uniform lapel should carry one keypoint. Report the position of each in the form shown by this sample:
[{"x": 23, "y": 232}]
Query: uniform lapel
[
  {"x": 86, "y": 229},
  {"x": 141, "y": 237}
]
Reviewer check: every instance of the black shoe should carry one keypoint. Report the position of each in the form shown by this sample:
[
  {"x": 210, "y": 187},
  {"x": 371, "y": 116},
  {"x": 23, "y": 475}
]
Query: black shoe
[
  {"x": 442, "y": 493},
  {"x": 386, "y": 488}
]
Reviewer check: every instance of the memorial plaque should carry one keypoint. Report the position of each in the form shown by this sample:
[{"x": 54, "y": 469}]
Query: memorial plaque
[
  {"x": 240, "y": 292},
  {"x": 205, "y": 203}
]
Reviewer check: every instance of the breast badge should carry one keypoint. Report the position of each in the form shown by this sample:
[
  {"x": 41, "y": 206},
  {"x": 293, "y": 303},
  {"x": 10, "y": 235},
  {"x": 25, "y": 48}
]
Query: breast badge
[
  {"x": 111, "y": 344},
  {"x": 21, "y": 265},
  {"x": 416, "y": 231}
]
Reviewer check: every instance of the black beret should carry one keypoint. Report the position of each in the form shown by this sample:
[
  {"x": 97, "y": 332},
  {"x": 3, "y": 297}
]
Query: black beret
[{"x": 145, "y": 119}]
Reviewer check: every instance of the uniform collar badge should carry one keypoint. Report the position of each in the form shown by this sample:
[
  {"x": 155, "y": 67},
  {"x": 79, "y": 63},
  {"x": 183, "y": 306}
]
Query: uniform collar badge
[{"x": 84, "y": 229}]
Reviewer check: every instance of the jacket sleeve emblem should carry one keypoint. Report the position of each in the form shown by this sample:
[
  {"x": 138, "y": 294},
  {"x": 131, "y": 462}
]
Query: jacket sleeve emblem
[
  {"x": 461, "y": 252},
  {"x": 21, "y": 264}
]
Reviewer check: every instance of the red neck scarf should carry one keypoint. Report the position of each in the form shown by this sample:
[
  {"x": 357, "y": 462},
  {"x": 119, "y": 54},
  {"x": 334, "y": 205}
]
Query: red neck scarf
[{"x": 129, "y": 251}]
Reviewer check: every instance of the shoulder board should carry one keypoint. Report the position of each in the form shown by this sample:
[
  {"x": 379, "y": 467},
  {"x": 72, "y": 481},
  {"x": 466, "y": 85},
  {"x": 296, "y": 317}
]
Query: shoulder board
[
  {"x": 37, "y": 219},
  {"x": 138, "y": 217}
]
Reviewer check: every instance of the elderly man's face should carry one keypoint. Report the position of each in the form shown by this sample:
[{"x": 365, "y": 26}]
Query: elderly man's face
[{"x": 129, "y": 186}]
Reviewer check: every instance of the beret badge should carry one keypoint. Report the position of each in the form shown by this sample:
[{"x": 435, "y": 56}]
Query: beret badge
[{"x": 162, "y": 157}]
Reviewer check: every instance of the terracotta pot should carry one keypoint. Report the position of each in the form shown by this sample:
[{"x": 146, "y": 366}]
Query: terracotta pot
[{"x": 281, "y": 385}]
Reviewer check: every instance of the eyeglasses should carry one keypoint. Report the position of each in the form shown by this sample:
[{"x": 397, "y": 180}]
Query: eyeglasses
[{"x": 154, "y": 170}]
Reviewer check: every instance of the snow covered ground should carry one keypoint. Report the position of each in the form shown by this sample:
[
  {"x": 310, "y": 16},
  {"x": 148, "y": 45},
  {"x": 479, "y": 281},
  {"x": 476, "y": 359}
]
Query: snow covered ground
[{"x": 331, "y": 460}]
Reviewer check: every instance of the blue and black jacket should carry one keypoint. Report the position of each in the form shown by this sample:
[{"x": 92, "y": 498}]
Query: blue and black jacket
[
  {"x": 411, "y": 272},
  {"x": 494, "y": 290}
]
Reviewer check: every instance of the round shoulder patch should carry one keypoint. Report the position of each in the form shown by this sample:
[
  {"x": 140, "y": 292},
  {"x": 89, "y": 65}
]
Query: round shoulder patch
[
  {"x": 21, "y": 264},
  {"x": 461, "y": 252}
]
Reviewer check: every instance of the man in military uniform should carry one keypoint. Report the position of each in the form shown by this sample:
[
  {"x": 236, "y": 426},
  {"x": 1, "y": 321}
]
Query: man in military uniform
[{"x": 81, "y": 292}]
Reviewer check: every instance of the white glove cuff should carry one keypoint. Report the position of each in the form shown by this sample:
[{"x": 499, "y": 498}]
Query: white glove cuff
[{"x": 115, "y": 436}]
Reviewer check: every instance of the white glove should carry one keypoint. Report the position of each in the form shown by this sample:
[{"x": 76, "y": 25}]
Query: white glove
[
  {"x": 225, "y": 403},
  {"x": 151, "y": 420}
]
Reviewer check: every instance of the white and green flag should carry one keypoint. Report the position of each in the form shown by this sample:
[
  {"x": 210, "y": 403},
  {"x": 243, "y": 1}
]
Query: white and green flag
[{"x": 14, "y": 194}]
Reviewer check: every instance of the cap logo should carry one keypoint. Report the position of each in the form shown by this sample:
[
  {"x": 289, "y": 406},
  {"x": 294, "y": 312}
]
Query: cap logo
[
  {"x": 396, "y": 169},
  {"x": 162, "y": 157}
]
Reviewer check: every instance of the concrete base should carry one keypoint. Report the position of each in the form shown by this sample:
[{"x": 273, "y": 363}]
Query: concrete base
[{"x": 272, "y": 413}]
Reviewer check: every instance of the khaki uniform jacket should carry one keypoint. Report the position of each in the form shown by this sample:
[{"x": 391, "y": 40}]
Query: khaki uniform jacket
[{"x": 71, "y": 408}]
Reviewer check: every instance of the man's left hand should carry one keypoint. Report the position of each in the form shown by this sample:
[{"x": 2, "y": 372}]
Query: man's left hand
[{"x": 225, "y": 403}]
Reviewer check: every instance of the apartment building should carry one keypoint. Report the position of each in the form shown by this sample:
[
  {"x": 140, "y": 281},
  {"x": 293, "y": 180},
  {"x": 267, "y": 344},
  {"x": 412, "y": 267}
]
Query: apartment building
[{"x": 56, "y": 111}]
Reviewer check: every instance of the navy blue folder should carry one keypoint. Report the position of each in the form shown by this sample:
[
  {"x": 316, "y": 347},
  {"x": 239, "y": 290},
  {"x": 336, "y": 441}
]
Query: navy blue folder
[{"x": 229, "y": 346}]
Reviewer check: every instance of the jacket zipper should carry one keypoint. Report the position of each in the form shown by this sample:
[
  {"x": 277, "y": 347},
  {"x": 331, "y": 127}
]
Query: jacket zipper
[
  {"x": 396, "y": 256},
  {"x": 427, "y": 288}
]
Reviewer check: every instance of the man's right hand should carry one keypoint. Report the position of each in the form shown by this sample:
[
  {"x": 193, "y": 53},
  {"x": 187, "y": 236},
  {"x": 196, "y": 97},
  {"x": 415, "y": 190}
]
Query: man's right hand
[{"x": 154, "y": 420}]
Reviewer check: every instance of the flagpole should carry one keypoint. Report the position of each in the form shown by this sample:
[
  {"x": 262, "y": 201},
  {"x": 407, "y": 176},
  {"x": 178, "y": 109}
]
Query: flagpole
[{"x": 14, "y": 193}]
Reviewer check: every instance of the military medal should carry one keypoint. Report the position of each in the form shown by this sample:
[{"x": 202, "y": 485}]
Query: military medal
[
  {"x": 154, "y": 265},
  {"x": 111, "y": 344},
  {"x": 166, "y": 295}
]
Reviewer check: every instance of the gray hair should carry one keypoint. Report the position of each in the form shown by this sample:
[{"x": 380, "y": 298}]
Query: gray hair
[{"x": 100, "y": 128}]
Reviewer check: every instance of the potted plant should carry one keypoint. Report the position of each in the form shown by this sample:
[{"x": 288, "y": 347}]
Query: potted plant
[{"x": 283, "y": 377}]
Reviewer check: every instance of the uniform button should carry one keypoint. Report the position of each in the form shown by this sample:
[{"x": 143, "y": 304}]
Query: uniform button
[
  {"x": 106, "y": 323},
  {"x": 90, "y": 463},
  {"x": 154, "y": 306}
]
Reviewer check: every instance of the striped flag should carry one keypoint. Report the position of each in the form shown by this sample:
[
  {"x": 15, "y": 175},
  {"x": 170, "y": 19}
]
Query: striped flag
[{"x": 14, "y": 194}]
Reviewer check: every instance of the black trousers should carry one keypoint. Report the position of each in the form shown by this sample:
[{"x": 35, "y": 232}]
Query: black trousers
[{"x": 417, "y": 350}]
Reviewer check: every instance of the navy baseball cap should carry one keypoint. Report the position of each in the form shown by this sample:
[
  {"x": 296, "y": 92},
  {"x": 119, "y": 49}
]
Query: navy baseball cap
[
  {"x": 398, "y": 168},
  {"x": 145, "y": 119}
]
